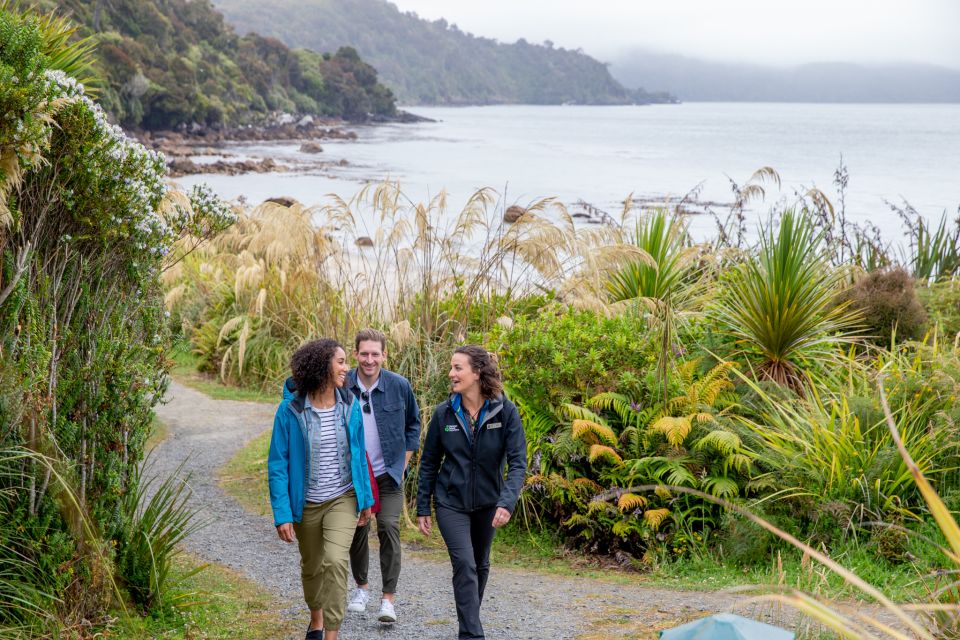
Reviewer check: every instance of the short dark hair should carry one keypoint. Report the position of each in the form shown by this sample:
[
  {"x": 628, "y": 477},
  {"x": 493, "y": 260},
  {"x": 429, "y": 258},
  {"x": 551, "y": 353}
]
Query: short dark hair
[
  {"x": 370, "y": 334},
  {"x": 483, "y": 363},
  {"x": 311, "y": 365}
]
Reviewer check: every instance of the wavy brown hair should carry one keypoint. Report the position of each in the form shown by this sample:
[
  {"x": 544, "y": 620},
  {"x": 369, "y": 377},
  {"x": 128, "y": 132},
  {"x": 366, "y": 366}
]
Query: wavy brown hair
[
  {"x": 311, "y": 365},
  {"x": 483, "y": 363}
]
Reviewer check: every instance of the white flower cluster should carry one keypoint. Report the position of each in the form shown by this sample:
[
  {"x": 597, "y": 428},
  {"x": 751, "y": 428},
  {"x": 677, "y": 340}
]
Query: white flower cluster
[
  {"x": 209, "y": 210},
  {"x": 138, "y": 174}
]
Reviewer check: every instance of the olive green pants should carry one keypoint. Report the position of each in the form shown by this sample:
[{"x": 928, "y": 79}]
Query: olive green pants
[{"x": 324, "y": 536}]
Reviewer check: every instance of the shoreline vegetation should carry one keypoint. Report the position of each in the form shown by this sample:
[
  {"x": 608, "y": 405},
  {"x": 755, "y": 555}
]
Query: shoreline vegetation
[
  {"x": 788, "y": 390},
  {"x": 637, "y": 355}
]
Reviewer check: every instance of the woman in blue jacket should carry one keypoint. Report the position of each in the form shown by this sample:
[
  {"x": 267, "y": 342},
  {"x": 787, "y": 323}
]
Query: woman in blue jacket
[
  {"x": 472, "y": 438},
  {"x": 319, "y": 481}
]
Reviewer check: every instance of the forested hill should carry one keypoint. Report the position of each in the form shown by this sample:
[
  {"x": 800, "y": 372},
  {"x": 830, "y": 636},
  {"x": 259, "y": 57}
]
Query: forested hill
[
  {"x": 435, "y": 62},
  {"x": 168, "y": 63}
]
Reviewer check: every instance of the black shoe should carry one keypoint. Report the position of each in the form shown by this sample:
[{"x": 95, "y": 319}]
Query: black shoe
[{"x": 316, "y": 634}]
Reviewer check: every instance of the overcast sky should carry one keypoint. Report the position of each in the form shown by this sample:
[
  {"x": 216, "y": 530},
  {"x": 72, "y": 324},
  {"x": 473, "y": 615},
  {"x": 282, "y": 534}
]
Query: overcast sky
[{"x": 759, "y": 31}]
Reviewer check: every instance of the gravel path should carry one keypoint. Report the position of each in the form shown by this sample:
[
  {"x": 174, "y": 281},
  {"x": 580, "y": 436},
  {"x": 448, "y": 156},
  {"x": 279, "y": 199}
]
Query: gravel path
[{"x": 521, "y": 604}]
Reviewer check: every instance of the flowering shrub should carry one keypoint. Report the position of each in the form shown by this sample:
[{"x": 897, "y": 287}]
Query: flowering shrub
[{"x": 89, "y": 226}]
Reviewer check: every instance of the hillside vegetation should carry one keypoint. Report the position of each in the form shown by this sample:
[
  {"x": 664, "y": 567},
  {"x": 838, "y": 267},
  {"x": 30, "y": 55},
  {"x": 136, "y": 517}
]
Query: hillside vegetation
[
  {"x": 166, "y": 63},
  {"x": 427, "y": 62}
]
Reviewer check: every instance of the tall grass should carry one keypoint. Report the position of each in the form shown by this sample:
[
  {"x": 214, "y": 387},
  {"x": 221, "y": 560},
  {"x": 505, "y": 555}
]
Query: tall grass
[{"x": 284, "y": 274}]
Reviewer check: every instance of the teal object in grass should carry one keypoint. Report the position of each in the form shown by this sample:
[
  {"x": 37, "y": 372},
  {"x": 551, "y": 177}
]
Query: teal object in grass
[{"x": 726, "y": 626}]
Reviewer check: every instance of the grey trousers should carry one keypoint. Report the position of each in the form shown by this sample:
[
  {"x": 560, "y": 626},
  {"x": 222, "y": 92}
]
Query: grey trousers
[
  {"x": 388, "y": 532},
  {"x": 468, "y": 537}
]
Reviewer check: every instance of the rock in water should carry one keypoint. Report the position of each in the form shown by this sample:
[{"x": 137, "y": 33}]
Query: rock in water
[
  {"x": 513, "y": 213},
  {"x": 311, "y": 147}
]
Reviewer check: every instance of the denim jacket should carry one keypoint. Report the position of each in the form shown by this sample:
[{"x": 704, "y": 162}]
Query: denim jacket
[
  {"x": 289, "y": 459},
  {"x": 398, "y": 418}
]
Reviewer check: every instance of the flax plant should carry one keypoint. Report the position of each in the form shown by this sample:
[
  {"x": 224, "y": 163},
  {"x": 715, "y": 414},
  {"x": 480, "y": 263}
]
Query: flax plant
[{"x": 780, "y": 306}]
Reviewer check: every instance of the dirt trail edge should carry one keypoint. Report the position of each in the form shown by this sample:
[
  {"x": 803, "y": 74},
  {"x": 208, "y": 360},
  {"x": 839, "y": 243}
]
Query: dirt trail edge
[{"x": 205, "y": 433}]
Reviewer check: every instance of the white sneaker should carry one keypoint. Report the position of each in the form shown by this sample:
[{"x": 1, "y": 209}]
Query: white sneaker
[
  {"x": 387, "y": 613},
  {"x": 358, "y": 601}
]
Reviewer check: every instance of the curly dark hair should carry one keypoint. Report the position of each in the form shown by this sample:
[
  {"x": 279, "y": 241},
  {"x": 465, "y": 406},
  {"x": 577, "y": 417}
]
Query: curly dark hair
[
  {"x": 311, "y": 365},
  {"x": 483, "y": 363}
]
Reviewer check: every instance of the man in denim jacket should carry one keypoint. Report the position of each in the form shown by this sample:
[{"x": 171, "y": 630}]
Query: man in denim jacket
[{"x": 391, "y": 421}]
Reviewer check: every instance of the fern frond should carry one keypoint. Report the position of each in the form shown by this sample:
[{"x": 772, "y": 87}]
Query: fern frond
[
  {"x": 738, "y": 461},
  {"x": 615, "y": 402},
  {"x": 588, "y": 484},
  {"x": 537, "y": 480},
  {"x": 655, "y": 517},
  {"x": 675, "y": 430},
  {"x": 702, "y": 417},
  {"x": 576, "y": 412},
  {"x": 578, "y": 520},
  {"x": 720, "y": 486},
  {"x": 590, "y": 432},
  {"x": 603, "y": 452},
  {"x": 686, "y": 371},
  {"x": 631, "y": 501},
  {"x": 663, "y": 492},
  {"x": 726, "y": 443},
  {"x": 597, "y": 506},
  {"x": 679, "y": 475}
]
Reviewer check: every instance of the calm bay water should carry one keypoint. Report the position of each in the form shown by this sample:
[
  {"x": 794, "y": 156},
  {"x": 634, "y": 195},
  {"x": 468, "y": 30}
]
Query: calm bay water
[{"x": 602, "y": 154}]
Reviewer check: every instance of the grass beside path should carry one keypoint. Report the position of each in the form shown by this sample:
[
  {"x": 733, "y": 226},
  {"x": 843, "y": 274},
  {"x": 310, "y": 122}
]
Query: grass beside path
[
  {"x": 244, "y": 478},
  {"x": 224, "y": 605},
  {"x": 185, "y": 372}
]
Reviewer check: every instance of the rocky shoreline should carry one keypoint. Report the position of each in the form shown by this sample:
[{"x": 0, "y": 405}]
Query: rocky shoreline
[{"x": 180, "y": 147}]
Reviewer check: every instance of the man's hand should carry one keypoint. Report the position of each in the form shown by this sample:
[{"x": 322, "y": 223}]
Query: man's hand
[
  {"x": 285, "y": 531},
  {"x": 501, "y": 517},
  {"x": 363, "y": 518},
  {"x": 425, "y": 524}
]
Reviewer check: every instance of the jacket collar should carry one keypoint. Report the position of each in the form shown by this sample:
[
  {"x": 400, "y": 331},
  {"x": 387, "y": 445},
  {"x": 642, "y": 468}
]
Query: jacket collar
[
  {"x": 383, "y": 382},
  {"x": 492, "y": 406},
  {"x": 299, "y": 400}
]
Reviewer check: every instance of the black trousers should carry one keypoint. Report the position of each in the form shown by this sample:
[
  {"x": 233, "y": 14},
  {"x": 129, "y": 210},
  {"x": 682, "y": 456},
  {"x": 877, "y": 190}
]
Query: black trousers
[{"x": 468, "y": 537}]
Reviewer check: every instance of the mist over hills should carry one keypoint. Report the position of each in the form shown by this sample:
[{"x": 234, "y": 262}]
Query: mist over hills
[
  {"x": 698, "y": 80},
  {"x": 426, "y": 62}
]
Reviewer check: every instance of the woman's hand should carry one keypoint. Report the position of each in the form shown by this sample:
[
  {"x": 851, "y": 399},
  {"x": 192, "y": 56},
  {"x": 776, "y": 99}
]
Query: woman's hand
[
  {"x": 500, "y": 518},
  {"x": 285, "y": 531},
  {"x": 363, "y": 518},
  {"x": 425, "y": 524}
]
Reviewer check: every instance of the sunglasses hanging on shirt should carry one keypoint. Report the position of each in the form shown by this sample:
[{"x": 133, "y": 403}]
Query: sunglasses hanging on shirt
[{"x": 366, "y": 401}]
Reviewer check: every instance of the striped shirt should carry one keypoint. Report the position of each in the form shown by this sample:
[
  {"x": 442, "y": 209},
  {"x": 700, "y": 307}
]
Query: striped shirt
[{"x": 325, "y": 481}]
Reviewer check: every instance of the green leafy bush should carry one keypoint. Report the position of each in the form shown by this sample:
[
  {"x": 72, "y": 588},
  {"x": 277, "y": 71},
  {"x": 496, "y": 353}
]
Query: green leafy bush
[
  {"x": 565, "y": 355},
  {"x": 89, "y": 226},
  {"x": 615, "y": 442},
  {"x": 942, "y": 303}
]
